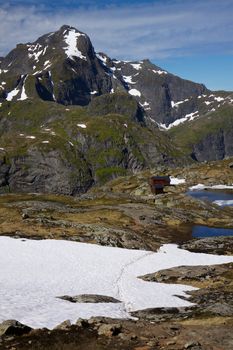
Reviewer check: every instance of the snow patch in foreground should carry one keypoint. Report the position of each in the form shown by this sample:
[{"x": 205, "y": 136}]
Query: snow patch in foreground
[
  {"x": 224, "y": 203},
  {"x": 214, "y": 187},
  {"x": 33, "y": 273},
  {"x": 176, "y": 181}
]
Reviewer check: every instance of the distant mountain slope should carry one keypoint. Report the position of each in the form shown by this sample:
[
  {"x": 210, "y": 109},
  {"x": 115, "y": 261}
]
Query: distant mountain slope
[
  {"x": 71, "y": 118},
  {"x": 64, "y": 67},
  {"x": 209, "y": 137},
  {"x": 48, "y": 147}
]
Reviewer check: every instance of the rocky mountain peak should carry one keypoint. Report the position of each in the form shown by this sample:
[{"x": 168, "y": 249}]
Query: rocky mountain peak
[
  {"x": 76, "y": 43},
  {"x": 63, "y": 66},
  {"x": 49, "y": 143}
]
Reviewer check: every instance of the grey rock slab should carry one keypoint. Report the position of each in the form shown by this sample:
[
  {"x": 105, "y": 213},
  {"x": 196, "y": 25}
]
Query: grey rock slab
[{"x": 89, "y": 298}]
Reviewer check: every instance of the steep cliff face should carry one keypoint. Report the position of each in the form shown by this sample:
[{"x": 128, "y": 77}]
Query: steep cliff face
[
  {"x": 214, "y": 146},
  {"x": 45, "y": 172},
  {"x": 208, "y": 137}
]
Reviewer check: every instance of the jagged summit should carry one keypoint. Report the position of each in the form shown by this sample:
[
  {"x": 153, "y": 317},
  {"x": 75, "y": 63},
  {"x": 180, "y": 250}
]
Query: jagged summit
[{"x": 63, "y": 67}]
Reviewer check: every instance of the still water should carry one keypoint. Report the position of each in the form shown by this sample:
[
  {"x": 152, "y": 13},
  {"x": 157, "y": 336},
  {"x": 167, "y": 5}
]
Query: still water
[
  {"x": 221, "y": 198},
  {"x": 199, "y": 231}
]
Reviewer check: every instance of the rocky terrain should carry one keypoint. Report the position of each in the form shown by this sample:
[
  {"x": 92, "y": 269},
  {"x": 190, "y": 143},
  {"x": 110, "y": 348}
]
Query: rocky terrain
[
  {"x": 123, "y": 213},
  {"x": 127, "y": 335}
]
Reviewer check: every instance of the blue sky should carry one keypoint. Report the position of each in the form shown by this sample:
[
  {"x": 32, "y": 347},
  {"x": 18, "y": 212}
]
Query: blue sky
[{"x": 193, "y": 39}]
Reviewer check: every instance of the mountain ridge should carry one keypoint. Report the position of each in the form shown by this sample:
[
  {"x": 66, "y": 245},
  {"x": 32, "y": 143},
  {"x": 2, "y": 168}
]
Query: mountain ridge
[
  {"x": 84, "y": 74},
  {"x": 71, "y": 118}
]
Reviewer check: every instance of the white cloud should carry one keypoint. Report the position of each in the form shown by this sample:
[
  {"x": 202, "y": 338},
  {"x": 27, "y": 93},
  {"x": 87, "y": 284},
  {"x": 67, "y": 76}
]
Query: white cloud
[{"x": 173, "y": 28}]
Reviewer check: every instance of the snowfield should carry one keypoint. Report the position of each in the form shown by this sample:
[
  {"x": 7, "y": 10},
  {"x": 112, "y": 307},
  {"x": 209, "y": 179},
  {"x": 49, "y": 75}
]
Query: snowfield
[
  {"x": 33, "y": 273},
  {"x": 224, "y": 203},
  {"x": 71, "y": 39},
  {"x": 214, "y": 187},
  {"x": 176, "y": 181}
]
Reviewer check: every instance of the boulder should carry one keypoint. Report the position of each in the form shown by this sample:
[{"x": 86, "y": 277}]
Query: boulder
[
  {"x": 89, "y": 298},
  {"x": 13, "y": 327},
  {"x": 64, "y": 325},
  {"x": 109, "y": 330}
]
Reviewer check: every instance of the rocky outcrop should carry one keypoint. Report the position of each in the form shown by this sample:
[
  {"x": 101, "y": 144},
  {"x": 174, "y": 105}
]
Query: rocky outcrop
[
  {"x": 47, "y": 172},
  {"x": 207, "y": 137},
  {"x": 117, "y": 103},
  {"x": 13, "y": 328},
  {"x": 104, "y": 333},
  {"x": 214, "y": 146},
  {"x": 182, "y": 274},
  {"x": 89, "y": 298},
  {"x": 216, "y": 245}
]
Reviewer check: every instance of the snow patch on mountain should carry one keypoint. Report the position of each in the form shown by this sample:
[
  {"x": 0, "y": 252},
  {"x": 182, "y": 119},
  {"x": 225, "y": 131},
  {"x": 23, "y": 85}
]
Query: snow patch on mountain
[
  {"x": 35, "y": 51},
  {"x": 160, "y": 72},
  {"x": 2, "y": 85},
  {"x": 136, "y": 66},
  {"x": 187, "y": 117},
  {"x": 176, "y": 104},
  {"x": 128, "y": 79},
  {"x": 135, "y": 92},
  {"x": 12, "y": 94},
  {"x": 145, "y": 105},
  {"x": 102, "y": 58},
  {"x": 219, "y": 99},
  {"x": 47, "y": 64},
  {"x": 71, "y": 39}
]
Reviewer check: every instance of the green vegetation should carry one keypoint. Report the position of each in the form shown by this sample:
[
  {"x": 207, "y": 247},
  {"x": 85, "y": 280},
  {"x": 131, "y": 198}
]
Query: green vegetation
[
  {"x": 110, "y": 145},
  {"x": 188, "y": 134},
  {"x": 104, "y": 174}
]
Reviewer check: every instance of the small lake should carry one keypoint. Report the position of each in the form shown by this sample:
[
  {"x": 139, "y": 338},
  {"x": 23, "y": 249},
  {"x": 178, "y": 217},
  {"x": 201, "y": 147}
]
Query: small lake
[
  {"x": 199, "y": 231},
  {"x": 222, "y": 198}
]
